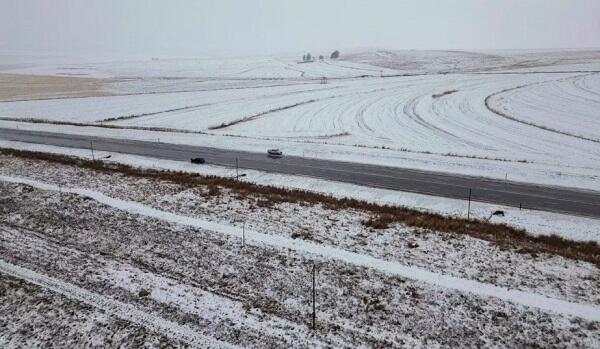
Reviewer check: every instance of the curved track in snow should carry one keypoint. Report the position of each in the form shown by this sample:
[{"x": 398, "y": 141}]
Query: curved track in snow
[
  {"x": 567, "y": 106},
  {"x": 402, "y": 113}
]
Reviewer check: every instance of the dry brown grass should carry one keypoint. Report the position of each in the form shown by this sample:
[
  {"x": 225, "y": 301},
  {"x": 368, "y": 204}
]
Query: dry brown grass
[
  {"x": 445, "y": 93},
  {"x": 256, "y": 116},
  {"x": 16, "y": 87},
  {"x": 382, "y": 216},
  {"x": 99, "y": 125}
]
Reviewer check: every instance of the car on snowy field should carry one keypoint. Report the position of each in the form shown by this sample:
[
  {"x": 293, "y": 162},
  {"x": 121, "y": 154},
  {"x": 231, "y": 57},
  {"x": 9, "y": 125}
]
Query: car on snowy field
[
  {"x": 274, "y": 153},
  {"x": 197, "y": 160}
]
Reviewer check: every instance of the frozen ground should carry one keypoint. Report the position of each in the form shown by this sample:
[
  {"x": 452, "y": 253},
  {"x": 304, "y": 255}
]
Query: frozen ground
[
  {"x": 170, "y": 259},
  {"x": 527, "y": 116}
]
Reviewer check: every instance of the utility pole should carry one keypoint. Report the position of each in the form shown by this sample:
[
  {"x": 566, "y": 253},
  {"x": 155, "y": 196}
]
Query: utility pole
[
  {"x": 92, "y": 147},
  {"x": 314, "y": 314},
  {"x": 469, "y": 209}
]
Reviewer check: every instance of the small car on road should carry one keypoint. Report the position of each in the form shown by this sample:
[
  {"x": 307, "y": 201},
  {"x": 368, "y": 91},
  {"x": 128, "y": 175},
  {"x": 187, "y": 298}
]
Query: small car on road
[
  {"x": 198, "y": 160},
  {"x": 274, "y": 153}
]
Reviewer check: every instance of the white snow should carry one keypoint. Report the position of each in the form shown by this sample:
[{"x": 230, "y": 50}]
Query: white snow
[
  {"x": 174, "y": 67},
  {"x": 569, "y": 105},
  {"x": 114, "y": 307},
  {"x": 435, "y": 121},
  {"x": 586, "y": 311},
  {"x": 194, "y": 300}
]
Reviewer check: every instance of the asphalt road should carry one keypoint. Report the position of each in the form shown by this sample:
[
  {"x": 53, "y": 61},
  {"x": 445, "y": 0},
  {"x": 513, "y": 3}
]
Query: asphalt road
[{"x": 530, "y": 196}]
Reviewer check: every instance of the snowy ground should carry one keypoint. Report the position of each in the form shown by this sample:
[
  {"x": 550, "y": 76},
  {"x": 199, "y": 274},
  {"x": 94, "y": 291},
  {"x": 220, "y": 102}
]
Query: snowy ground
[
  {"x": 97, "y": 259},
  {"x": 546, "y": 105},
  {"x": 35, "y": 315},
  {"x": 503, "y": 61},
  {"x": 528, "y": 116},
  {"x": 100, "y": 239}
]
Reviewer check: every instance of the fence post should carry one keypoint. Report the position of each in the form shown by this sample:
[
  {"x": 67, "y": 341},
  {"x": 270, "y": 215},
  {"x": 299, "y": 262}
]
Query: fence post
[
  {"x": 469, "y": 209},
  {"x": 314, "y": 314}
]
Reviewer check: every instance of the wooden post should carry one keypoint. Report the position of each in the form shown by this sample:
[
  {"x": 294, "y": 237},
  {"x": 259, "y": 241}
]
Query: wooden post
[
  {"x": 469, "y": 209},
  {"x": 314, "y": 314},
  {"x": 92, "y": 147},
  {"x": 237, "y": 174}
]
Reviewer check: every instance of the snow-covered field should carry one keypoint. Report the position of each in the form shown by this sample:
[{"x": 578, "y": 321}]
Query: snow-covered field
[
  {"x": 528, "y": 116},
  {"x": 417, "y": 61},
  {"x": 157, "y": 263},
  {"x": 570, "y": 106},
  {"x": 95, "y": 259}
]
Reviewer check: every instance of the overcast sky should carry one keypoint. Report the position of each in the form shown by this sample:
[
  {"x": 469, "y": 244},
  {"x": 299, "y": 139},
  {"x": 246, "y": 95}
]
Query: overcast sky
[{"x": 246, "y": 27}]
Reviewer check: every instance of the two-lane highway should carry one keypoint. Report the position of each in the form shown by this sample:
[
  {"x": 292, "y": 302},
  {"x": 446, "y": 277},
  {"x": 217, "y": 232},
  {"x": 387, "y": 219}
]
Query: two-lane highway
[{"x": 531, "y": 196}]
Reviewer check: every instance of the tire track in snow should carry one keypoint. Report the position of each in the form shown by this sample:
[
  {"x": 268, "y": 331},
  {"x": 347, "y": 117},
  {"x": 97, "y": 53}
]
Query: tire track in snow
[
  {"x": 527, "y": 299},
  {"x": 113, "y": 307},
  {"x": 410, "y": 110},
  {"x": 488, "y": 105},
  {"x": 584, "y": 85}
]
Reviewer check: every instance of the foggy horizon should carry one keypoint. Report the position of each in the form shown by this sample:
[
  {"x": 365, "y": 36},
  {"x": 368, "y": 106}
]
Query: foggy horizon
[{"x": 242, "y": 28}]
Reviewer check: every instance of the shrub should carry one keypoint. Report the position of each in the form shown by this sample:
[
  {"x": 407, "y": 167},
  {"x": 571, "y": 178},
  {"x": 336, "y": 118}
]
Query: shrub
[{"x": 144, "y": 293}]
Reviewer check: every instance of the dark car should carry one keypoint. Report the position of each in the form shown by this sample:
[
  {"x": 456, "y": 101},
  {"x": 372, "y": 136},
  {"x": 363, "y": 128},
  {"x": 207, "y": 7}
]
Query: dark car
[
  {"x": 274, "y": 153},
  {"x": 198, "y": 160}
]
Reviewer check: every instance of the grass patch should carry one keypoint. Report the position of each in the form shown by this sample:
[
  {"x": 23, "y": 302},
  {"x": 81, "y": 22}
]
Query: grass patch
[
  {"x": 213, "y": 190},
  {"x": 144, "y": 293},
  {"x": 382, "y": 216}
]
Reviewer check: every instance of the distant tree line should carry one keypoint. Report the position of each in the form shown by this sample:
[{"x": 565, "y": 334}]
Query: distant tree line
[{"x": 309, "y": 58}]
